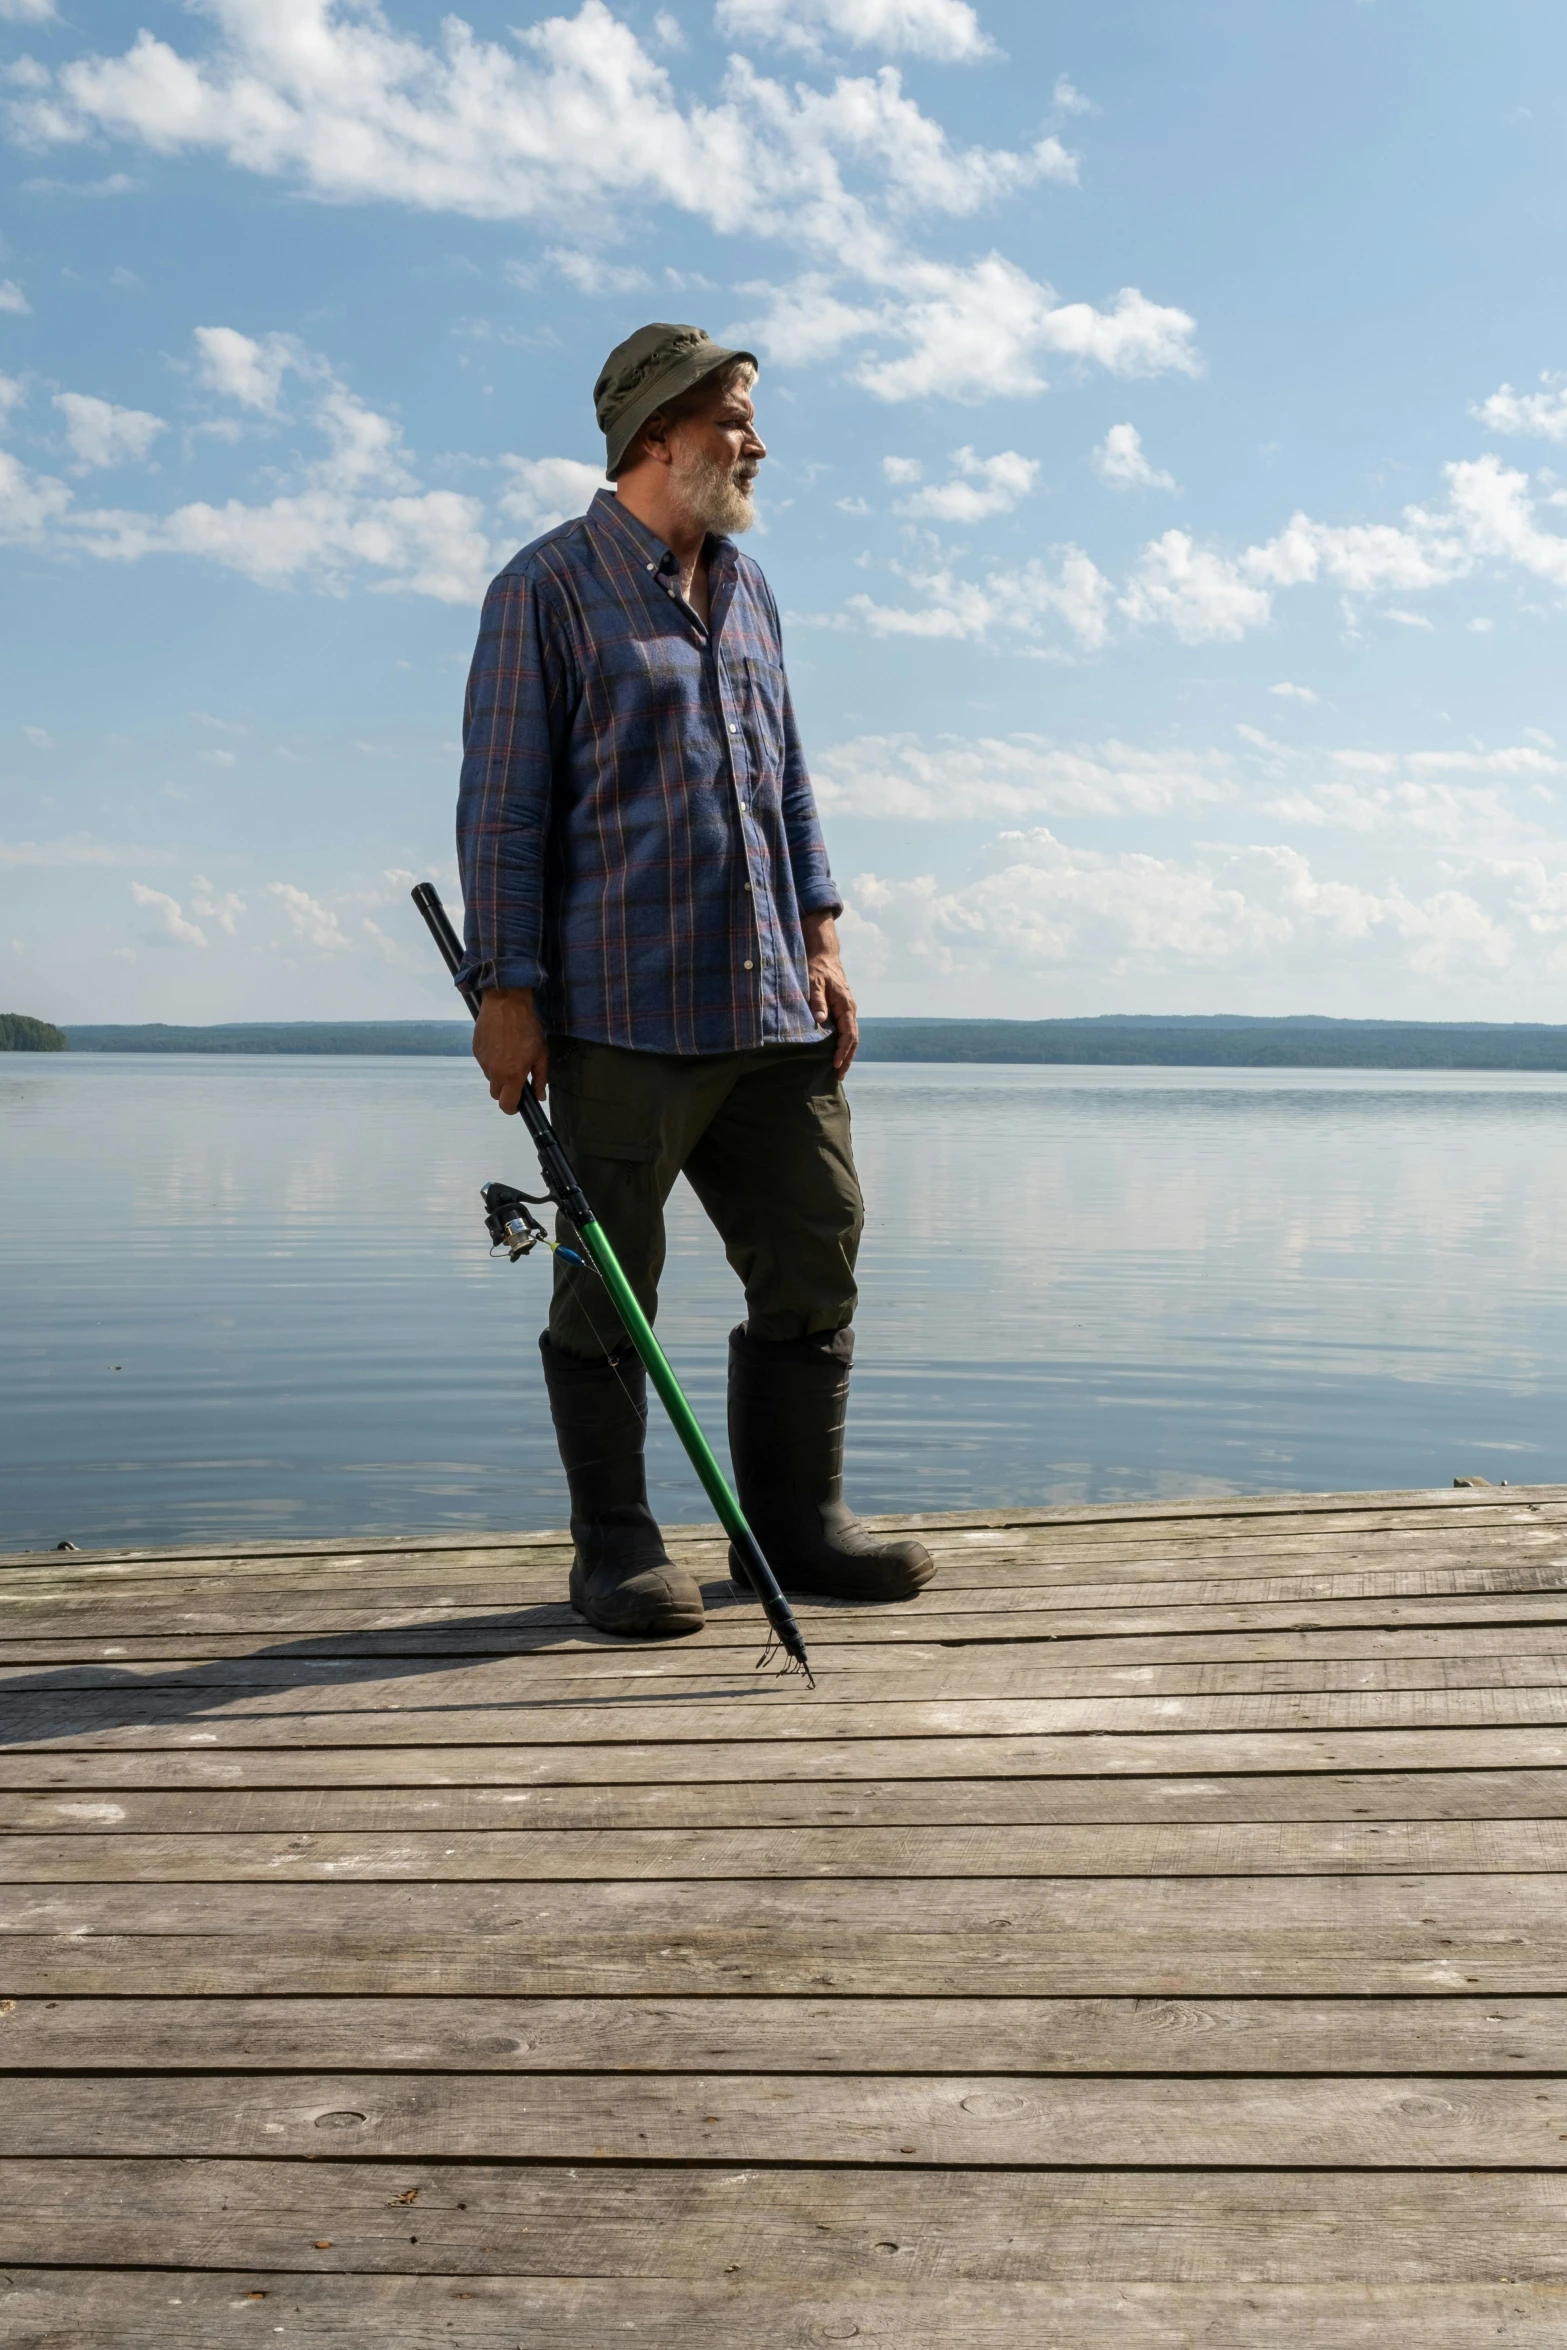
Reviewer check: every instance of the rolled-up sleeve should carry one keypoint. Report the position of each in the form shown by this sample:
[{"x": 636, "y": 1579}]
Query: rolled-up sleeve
[{"x": 513, "y": 720}]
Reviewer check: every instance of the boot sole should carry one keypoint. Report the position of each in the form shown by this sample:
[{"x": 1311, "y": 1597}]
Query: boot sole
[
  {"x": 668, "y": 1623},
  {"x": 871, "y": 1586}
]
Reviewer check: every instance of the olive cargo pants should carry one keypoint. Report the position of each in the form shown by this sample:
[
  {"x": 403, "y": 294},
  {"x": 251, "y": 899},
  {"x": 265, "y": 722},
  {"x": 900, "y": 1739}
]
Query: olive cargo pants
[{"x": 762, "y": 1137}]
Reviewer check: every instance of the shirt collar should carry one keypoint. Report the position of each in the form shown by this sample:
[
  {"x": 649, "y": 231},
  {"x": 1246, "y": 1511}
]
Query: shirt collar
[{"x": 650, "y": 552}]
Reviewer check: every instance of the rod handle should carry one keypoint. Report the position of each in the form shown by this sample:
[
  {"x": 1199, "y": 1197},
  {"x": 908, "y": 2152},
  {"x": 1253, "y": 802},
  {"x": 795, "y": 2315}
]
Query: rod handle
[{"x": 427, "y": 898}]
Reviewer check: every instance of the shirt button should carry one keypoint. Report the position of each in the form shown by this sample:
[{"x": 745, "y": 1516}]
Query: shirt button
[
  {"x": 734, "y": 729},
  {"x": 748, "y": 889},
  {"x": 750, "y": 966}
]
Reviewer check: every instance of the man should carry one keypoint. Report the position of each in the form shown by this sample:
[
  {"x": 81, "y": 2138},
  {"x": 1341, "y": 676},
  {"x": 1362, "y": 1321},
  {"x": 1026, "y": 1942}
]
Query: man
[{"x": 651, "y": 924}]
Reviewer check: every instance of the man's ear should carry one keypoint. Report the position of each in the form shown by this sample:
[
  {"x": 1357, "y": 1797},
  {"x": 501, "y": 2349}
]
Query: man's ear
[{"x": 653, "y": 440}]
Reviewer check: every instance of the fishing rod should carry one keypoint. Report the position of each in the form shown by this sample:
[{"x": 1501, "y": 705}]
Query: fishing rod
[{"x": 512, "y": 1227}]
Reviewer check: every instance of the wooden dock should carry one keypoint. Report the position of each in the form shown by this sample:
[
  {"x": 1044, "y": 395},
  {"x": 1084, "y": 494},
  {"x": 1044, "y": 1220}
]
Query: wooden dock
[{"x": 1155, "y": 1935}]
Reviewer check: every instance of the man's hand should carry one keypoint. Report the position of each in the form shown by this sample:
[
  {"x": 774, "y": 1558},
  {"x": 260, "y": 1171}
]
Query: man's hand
[
  {"x": 510, "y": 1046},
  {"x": 832, "y": 998}
]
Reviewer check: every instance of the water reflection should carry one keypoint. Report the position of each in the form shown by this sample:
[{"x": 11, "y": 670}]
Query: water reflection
[{"x": 1079, "y": 1284}]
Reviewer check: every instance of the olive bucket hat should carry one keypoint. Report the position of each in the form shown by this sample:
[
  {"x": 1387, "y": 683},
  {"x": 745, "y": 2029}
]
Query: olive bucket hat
[{"x": 655, "y": 364}]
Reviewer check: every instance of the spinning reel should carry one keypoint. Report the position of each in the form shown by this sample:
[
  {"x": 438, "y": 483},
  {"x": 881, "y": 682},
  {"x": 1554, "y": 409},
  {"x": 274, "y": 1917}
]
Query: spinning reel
[{"x": 512, "y": 1225}]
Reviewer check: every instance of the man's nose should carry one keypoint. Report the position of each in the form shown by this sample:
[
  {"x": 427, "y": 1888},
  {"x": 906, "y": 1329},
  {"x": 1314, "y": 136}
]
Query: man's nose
[{"x": 755, "y": 446}]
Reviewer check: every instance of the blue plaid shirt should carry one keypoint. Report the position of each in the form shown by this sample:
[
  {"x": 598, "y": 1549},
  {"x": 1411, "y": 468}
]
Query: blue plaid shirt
[{"x": 635, "y": 826}]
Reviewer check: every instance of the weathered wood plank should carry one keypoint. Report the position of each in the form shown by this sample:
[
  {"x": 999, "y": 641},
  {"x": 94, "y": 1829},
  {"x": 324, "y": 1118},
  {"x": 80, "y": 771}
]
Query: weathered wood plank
[
  {"x": 995, "y": 1556},
  {"x": 1337, "y": 1908},
  {"x": 528, "y": 1855},
  {"x": 395, "y": 1713},
  {"x": 699, "y": 1962},
  {"x": 347, "y": 1808},
  {"x": 1532, "y": 1590},
  {"x": 553, "y": 1632},
  {"x": 919, "y": 1676},
  {"x": 1409, "y": 2123},
  {"x": 841, "y": 2226},
  {"x": 1097, "y": 1549},
  {"x": 542, "y": 1579},
  {"x": 557, "y": 1631},
  {"x": 1034, "y": 2036},
  {"x": 76, "y": 2309},
  {"x": 1418, "y": 1503},
  {"x": 749, "y": 1763},
  {"x": 599, "y": 1658}
]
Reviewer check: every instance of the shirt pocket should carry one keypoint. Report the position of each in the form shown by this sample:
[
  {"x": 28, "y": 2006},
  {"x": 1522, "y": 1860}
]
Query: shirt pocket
[{"x": 764, "y": 714}]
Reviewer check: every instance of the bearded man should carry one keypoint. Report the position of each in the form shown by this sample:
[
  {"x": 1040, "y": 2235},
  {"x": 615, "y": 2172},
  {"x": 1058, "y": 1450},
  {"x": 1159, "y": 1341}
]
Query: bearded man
[{"x": 650, "y": 920}]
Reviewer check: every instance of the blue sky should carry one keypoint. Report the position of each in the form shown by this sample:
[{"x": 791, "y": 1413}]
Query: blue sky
[{"x": 1167, "y": 498}]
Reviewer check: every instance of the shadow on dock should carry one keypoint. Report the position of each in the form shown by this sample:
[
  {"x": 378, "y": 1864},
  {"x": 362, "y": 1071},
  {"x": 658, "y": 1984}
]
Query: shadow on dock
[{"x": 62, "y": 1702}]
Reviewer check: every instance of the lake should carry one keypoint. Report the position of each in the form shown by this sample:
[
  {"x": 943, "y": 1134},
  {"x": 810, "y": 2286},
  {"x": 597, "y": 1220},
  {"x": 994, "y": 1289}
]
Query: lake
[{"x": 248, "y": 1296}]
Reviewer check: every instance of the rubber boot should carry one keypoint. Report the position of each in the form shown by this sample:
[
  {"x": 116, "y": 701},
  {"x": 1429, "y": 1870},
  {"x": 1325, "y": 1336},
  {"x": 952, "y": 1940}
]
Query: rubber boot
[
  {"x": 788, "y": 1401},
  {"x": 622, "y": 1578}
]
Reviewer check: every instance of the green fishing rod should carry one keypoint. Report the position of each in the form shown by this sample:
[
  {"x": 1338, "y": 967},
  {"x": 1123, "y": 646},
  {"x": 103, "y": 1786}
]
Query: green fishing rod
[{"x": 512, "y": 1227}]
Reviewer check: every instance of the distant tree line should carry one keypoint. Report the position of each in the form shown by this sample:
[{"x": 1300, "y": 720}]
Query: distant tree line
[
  {"x": 1196, "y": 1041},
  {"x": 20, "y": 1034}
]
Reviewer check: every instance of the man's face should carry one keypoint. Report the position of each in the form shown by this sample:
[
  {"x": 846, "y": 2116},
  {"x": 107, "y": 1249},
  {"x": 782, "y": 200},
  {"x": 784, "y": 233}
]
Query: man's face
[{"x": 714, "y": 457}]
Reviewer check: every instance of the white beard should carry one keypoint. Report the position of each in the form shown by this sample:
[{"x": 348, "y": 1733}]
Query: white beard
[{"x": 713, "y": 494}]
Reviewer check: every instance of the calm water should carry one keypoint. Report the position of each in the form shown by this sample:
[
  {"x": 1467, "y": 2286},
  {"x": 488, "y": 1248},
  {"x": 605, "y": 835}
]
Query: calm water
[{"x": 252, "y": 1296}]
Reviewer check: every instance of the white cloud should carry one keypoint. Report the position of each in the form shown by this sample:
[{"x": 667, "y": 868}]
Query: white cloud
[
  {"x": 12, "y": 394},
  {"x": 804, "y": 322},
  {"x": 169, "y": 915},
  {"x": 947, "y": 30},
  {"x": 78, "y": 849},
  {"x": 1511, "y": 759},
  {"x": 219, "y": 906},
  {"x": 1068, "y": 100},
  {"x": 242, "y": 369},
  {"x": 1492, "y": 519},
  {"x": 1200, "y": 595},
  {"x": 113, "y": 183},
  {"x": 356, "y": 509},
  {"x": 1293, "y": 693},
  {"x": 590, "y": 274},
  {"x": 27, "y": 11},
  {"x": 432, "y": 544},
  {"x": 313, "y": 924},
  {"x": 1540, "y": 415},
  {"x": 1027, "y": 603},
  {"x": 13, "y": 299},
  {"x": 1365, "y": 558},
  {"x": 101, "y": 435},
  {"x": 980, "y": 486},
  {"x": 1120, "y": 461},
  {"x": 1496, "y": 513},
  {"x": 30, "y": 503},
  {"x": 365, "y": 447},
  {"x": 907, "y": 779},
  {"x": 546, "y": 490},
  {"x": 1046, "y": 906},
  {"x": 40, "y": 737},
  {"x": 571, "y": 119},
  {"x": 984, "y": 329}
]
